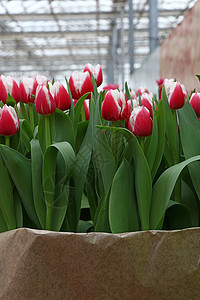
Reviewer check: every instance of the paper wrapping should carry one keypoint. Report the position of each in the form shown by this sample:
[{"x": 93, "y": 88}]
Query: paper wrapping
[{"x": 148, "y": 265}]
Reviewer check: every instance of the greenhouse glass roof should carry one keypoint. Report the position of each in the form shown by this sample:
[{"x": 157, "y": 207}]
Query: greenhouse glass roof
[{"x": 56, "y": 37}]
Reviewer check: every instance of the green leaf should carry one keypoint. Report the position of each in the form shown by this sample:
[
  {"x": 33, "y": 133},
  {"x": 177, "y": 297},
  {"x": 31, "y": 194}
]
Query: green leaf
[
  {"x": 94, "y": 87},
  {"x": 36, "y": 169},
  {"x": 190, "y": 140},
  {"x": 102, "y": 215},
  {"x": 72, "y": 103},
  {"x": 198, "y": 76},
  {"x": 41, "y": 129},
  {"x": 80, "y": 167},
  {"x": 163, "y": 189},
  {"x": 178, "y": 216},
  {"x": 63, "y": 128},
  {"x": 77, "y": 111},
  {"x": 26, "y": 134},
  {"x": 123, "y": 210},
  {"x": 58, "y": 164},
  {"x": 160, "y": 114},
  {"x": 18, "y": 209},
  {"x": 128, "y": 95},
  {"x": 3, "y": 226},
  {"x": 143, "y": 182},
  {"x": 20, "y": 171},
  {"x": 6, "y": 197},
  {"x": 84, "y": 226}
]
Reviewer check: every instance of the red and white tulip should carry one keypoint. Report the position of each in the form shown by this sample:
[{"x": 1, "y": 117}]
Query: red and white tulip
[
  {"x": 174, "y": 94},
  {"x": 26, "y": 89},
  {"x": 9, "y": 121},
  {"x": 60, "y": 95},
  {"x": 140, "y": 122},
  {"x": 9, "y": 85},
  {"x": 80, "y": 83},
  {"x": 195, "y": 103},
  {"x": 44, "y": 101},
  {"x": 114, "y": 106},
  {"x": 96, "y": 71},
  {"x": 39, "y": 80}
]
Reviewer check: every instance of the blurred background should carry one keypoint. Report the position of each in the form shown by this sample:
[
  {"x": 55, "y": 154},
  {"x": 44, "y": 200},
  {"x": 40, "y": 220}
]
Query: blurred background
[{"x": 137, "y": 41}]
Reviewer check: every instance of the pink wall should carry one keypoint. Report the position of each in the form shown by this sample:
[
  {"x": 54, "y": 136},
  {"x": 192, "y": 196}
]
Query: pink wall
[{"x": 180, "y": 52}]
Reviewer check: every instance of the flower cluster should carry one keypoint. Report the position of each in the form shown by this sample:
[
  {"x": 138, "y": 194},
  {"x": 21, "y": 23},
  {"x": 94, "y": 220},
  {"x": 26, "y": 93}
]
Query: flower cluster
[{"x": 80, "y": 156}]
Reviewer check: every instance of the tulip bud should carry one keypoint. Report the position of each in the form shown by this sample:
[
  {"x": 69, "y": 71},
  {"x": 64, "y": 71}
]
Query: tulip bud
[
  {"x": 26, "y": 89},
  {"x": 80, "y": 83},
  {"x": 114, "y": 106},
  {"x": 147, "y": 102},
  {"x": 9, "y": 85},
  {"x": 142, "y": 90},
  {"x": 174, "y": 94},
  {"x": 60, "y": 95},
  {"x": 140, "y": 122},
  {"x": 96, "y": 71},
  {"x": 134, "y": 103},
  {"x": 110, "y": 86},
  {"x": 160, "y": 81},
  {"x": 195, "y": 103},
  {"x": 44, "y": 102},
  {"x": 39, "y": 80},
  {"x": 9, "y": 121}
]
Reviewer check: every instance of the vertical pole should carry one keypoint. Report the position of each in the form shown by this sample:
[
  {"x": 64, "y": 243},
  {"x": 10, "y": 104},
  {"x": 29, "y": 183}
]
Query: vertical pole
[
  {"x": 153, "y": 24},
  {"x": 111, "y": 64},
  {"x": 131, "y": 37}
]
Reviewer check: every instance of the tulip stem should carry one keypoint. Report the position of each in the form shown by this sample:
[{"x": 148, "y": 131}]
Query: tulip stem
[
  {"x": 142, "y": 143},
  {"x": 47, "y": 131},
  {"x": 23, "y": 110},
  {"x": 7, "y": 141},
  {"x": 30, "y": 106}
]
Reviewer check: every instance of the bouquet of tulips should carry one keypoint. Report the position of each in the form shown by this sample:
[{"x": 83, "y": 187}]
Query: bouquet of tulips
[{"x": 78, "y": 157}]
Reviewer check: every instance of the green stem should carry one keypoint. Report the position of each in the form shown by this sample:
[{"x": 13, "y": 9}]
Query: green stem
[
  {"x": 30, "y": 106},
  {"x": 47, "y": 131},
  {"x": 7, "y": 141},
  {"x": 48, "y": 217},
  {"x": 23, "y": 110}
]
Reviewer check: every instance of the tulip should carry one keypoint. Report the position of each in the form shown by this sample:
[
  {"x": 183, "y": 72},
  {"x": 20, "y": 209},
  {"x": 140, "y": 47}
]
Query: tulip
[
  {"x": 26, "y": 89},
  {"x": 80, "y": 83},
  {"x": 174, "y": 94},
  {"x": 87, "y": 109},
  {"x": 114, "y": 106},
  {"x": 44, "y": 102},
  {"x": 9, "y": 121},
  {"x": 142, "y": 90},
  {"x": 96, "y": 71},
  {"x": 140, "y": 122},
  {"x": 60, "y": 95},
  {"x": 134, "y": 104},
  {"x": 195, "y": 103},
  {"x": 160, "y": 81},
  {"x": 147, "y": 102},
  {"x": 39, "y": 80},
  {"x": 110, "y": 86},
  {"x": 9, "y": 85}
]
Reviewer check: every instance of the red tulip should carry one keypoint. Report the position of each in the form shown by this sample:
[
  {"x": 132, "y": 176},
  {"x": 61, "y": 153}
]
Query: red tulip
[
  {"x": 140, "y": 122},
  {"x": 114, "y": 106},
  {"x": 160, "y": 81},
  {"x": 96, "y": 71},
  {"x": 142, "y": 90},
  {"x": 147, "y": 102},
  {"x": 110, "y": 86},
  {"x": 195, "y": 103},
  {"x": 39, "y": 80},
  {"x": 60, "y": 95},
  {"x": 87, "y": 109},
  {"x": 174, "y": 94},
  {"x": 26, "y": 89},
  {"x": 9, "y": 85},
  {"x": 9, "y": 121},
  {"x": 44, "y": 102},
  {"x": 134, "y": 105},
  {"x": 80, "y": 83}
]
